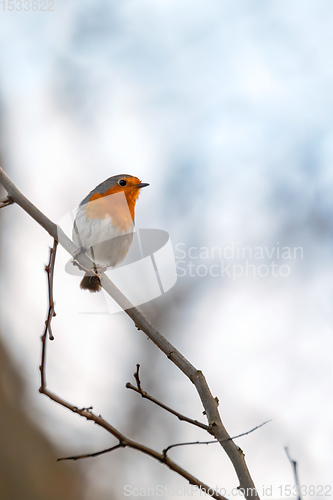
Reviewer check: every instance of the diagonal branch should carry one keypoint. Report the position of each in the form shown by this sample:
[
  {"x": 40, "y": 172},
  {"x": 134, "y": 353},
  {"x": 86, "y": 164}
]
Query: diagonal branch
[
  {"x": 145, "y": 395},
  {"x": 210, "y": 404}
]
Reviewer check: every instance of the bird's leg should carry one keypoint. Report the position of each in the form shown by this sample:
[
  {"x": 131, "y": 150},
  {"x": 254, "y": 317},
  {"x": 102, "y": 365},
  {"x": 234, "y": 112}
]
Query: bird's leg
[
  {"x": 6, "y": 202},
  {"x": 76, "y": 254},
  {"x": 95, "y": 271},
  {"x": 81, "y": 248},
  {"x": 95, "y": 268}
]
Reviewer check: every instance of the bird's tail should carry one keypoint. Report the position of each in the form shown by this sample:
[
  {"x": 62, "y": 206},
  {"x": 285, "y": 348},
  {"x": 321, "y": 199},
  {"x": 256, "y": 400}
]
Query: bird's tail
[{"x": 90, "y": 282}]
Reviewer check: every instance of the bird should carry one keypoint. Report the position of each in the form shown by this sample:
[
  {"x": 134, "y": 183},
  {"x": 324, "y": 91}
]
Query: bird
[{"x": 104, "y": 224}]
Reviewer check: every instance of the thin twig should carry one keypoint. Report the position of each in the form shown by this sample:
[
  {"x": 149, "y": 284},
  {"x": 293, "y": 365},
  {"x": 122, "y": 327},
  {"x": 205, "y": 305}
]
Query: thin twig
[
  {"x": 50, "y": 274},
  {"x": 50, "y": 314},
  {"x": 294, "y": 466},
  {"x": 137, "y": 378},
  {"x": 214, "y": 441},
  {"x": 6, "y": 202},
  {"x": 91, "y": 455},
  {"x": 209, "y": 403},
  {"x": 145, "y": 395}
]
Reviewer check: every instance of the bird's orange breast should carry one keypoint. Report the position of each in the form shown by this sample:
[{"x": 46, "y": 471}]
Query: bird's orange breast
[{"x": 116, "y": 203}]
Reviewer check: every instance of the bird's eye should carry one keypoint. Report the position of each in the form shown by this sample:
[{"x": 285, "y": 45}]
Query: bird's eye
[{"x": 122, "y": 182}]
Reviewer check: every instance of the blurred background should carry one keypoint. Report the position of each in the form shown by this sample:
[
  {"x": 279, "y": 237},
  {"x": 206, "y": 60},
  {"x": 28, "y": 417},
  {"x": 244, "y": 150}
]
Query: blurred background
[{"x": 225, "y": 108}]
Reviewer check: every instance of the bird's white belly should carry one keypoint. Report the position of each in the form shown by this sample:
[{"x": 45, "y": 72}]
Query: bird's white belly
[{"x": 103, "y": 243}]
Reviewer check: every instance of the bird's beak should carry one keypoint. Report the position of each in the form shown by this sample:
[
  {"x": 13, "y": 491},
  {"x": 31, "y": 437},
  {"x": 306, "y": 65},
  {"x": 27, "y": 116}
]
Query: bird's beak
[{"x": 142, "y": 185}]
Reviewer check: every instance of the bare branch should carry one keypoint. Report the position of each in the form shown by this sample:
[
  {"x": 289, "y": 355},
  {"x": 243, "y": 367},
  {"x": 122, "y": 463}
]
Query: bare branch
[
  {"x": 97, "y": 419},
  {"x": 294, "y": 466},
  {"x": 145, "y": 395},
  {"x": 124, "y": 441},
  {"x": 196, "y": 376}
]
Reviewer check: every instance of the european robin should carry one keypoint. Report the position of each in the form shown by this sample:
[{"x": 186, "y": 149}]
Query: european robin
[{"x": 104, "y": 224}]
